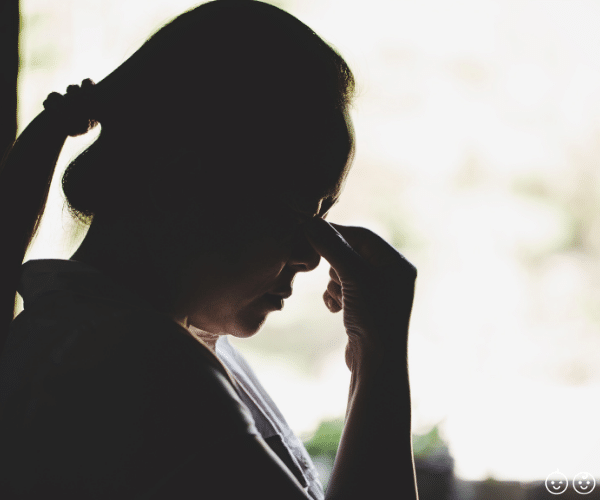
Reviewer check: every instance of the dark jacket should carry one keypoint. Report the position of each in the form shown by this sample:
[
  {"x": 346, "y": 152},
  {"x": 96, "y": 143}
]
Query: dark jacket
[{"x": 101, "y": 397}]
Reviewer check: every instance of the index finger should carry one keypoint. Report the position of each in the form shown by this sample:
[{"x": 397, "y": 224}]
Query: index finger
[{"x": 333, "y": 247}]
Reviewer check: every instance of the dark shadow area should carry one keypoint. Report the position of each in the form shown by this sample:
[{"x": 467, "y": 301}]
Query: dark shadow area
[{"x": 9, "y": 71}]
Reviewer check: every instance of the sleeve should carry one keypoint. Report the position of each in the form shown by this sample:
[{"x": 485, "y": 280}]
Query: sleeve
[{"x": 134, "y": 411}]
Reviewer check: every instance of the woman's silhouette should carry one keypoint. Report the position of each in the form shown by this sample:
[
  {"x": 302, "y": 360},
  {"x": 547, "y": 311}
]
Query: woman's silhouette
[{"x": 225, "y": 140}]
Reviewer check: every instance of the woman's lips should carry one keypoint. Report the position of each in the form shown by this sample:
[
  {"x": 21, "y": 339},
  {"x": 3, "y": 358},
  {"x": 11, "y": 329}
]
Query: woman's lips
[{"x": 283, "y": 292}]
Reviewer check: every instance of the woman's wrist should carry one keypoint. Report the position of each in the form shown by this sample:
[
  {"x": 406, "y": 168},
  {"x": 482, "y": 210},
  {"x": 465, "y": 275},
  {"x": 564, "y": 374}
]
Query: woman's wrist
[{"x": 374, "y": 373}]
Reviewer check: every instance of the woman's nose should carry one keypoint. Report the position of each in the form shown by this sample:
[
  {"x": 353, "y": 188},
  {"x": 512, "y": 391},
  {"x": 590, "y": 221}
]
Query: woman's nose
[{"x": 303, "y": 257}]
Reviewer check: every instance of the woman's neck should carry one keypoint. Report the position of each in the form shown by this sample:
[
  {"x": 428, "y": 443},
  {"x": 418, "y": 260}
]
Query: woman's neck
[{"x": 119, "y": 253}]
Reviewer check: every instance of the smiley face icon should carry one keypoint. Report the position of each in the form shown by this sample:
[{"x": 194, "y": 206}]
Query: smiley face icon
[
  {"x": 584, "y": 483},
  {"x": 556, "y": 483}
]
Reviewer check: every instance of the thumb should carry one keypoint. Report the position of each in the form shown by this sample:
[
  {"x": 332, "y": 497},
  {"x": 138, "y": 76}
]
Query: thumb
[{"x": 333, "y": 247}]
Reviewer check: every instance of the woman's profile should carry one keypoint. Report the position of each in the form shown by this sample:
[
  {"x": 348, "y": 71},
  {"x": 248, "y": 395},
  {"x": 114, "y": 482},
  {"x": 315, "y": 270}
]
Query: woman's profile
[{"x": 225, "y": 140}]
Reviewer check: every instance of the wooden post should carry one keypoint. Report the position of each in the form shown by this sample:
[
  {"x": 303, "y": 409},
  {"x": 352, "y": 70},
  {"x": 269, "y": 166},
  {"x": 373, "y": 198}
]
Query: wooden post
[{"x": 9, "y": 70}]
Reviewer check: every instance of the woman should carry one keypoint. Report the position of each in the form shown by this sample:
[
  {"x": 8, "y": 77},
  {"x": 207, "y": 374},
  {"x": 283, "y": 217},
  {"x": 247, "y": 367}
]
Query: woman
[{"x": 225, "y": 140}]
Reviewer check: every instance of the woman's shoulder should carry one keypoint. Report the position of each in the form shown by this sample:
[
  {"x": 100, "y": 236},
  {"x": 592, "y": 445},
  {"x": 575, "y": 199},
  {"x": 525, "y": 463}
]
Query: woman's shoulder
[
  {"x": 102, "y": 353},
  {"x": 109, "y": 392},
  {"x": 94, "y": 327}
]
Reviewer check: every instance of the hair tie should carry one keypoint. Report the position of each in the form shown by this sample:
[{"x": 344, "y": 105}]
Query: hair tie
[{"x": 73, "y": 110}]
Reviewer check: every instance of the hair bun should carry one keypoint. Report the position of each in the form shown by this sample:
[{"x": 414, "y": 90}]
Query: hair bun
[{"x": 74, "y": 110}]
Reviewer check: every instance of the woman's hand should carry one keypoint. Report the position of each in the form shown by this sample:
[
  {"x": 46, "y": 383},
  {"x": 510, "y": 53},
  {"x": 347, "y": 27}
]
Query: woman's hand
[{"x": 373, "y": 284}]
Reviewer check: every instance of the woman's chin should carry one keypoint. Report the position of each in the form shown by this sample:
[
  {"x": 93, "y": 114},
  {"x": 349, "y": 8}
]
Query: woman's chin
[{"x": 248, "y": 326}]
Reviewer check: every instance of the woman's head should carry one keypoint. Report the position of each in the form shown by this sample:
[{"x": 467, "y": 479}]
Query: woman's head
[
  {"x": 215, "y": 133},
  {"x": 232, "y": 98}
]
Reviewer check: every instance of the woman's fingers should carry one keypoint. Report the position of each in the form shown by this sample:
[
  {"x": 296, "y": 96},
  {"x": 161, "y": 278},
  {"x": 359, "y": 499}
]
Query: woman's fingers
[
  {"x": 334, "y": 276},
  {"x": 332, "y": 304},
  {"x": 333, "y": 295},
  {"x": 354, "y": 252},
  {"x": 335, "y": 291},
  {"x": 332, "y": 246}
]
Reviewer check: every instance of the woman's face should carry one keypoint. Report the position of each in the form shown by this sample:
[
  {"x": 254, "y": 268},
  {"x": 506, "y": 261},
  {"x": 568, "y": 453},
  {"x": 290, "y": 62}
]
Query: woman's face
[{"x": 233, "y": 291}]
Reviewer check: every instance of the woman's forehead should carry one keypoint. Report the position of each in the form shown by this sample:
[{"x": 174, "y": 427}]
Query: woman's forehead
[{"x": 319, "y": 180}]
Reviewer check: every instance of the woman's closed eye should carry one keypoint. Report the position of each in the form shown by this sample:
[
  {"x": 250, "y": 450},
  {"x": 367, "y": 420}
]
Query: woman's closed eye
[{"x": 282, "y": 221}]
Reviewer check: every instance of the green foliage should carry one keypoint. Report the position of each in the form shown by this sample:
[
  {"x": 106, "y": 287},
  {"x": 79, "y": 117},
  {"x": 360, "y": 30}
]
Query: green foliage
[
  {"x": 322, "y": 446},
  {"x": 427, "y": 444},
  {"x": 326, "y": 439}
]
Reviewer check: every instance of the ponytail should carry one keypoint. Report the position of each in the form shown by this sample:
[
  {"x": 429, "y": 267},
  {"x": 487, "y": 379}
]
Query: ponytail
[{"x": 25, "y": 177}]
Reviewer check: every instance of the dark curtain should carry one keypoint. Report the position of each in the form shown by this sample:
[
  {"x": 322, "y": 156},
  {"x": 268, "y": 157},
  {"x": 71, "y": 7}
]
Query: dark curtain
[{"x": 9, "y": 70}]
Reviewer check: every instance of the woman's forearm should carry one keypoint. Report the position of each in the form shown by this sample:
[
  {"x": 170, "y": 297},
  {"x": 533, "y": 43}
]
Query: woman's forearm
[{"x": 374, "y": 459}]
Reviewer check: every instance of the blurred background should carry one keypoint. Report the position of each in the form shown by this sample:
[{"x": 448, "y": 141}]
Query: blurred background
[{"x": 478, "y": 151}]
